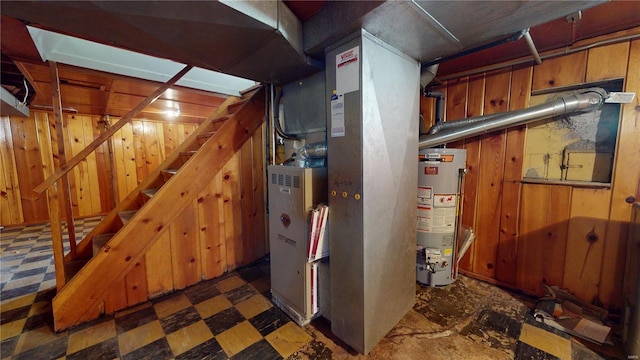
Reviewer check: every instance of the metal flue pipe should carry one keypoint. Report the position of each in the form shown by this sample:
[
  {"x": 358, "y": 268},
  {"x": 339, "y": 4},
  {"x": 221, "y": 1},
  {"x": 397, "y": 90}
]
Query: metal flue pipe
[{"x": 587, "y": 101}]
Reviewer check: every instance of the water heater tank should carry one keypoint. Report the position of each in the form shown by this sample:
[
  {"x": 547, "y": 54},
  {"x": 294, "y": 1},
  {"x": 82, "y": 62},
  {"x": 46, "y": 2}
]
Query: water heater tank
[{"x": 440, "y": 173}]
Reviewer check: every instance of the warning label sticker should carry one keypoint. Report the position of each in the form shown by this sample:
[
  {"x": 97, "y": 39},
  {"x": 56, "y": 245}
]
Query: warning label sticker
[
  {"x": 425, "y": 195},
  {"x": 425, "y": 223}
]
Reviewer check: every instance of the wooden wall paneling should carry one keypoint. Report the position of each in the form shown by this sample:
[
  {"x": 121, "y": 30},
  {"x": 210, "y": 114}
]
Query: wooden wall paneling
[
  {"x": 543, "y": 227},
  {"x": 139, "y": 148},
  {"x": 189, "y": 129},
  {"x": 218, "y": 181},
  {"x": 160, "y": 275},
  {"x": 10, "y": 198},
  {"x": 45, "y": 139},
  {"x": 119, "y": 168},
  {"x": 162, "y": 154},
  {"x": 208, "y": 220},
  {"x": 117, "y": 298},
  {"x": 232, "y": 212},
  {"x": 82, "y": 171},
  {"x": 260, "y": 191},
  {"x": 560, "y": 71},
  {"x": 130, "y": 161},
  {"x": 427, "y": 110},
  {"x": 170, "y": 131},
  {"x": 585, "y": 242},
  {"x": 48, "y": 142},
  {"x": 247, "y": 206},
  {"x": 104, "y": 167},
  {"x": 491, "y": 170},
  {"x": 456, "y": 104},
  {"x": 625, "y": 183},
  {"x": 73, "y": 194},
  {"x": 29, "y": 168},
  {"x": 607, "y": 62},
  {"x": 508, "y": 238},
  {"x": 187, "y": 269},
  {"x": 475, "y": 107},
  {"x": 136, "y": 282},
  {"x": 89, "y": 123},
  {"x": 151, "y": 146}
]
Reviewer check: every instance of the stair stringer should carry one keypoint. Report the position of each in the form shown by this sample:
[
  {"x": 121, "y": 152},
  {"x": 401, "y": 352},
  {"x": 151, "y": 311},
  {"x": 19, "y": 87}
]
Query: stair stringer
[{"x": 78, "y": 300}]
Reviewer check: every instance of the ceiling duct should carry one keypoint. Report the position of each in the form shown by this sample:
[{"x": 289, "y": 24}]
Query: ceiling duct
[
  {"x": 264, "y": 41},
  {"x": 10, "y": 106}
]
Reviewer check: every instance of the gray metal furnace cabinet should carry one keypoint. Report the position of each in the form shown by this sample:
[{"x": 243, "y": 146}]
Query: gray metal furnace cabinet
[
  {"x": 293, "y": 193},
  {"x": 372, "y": 130}
]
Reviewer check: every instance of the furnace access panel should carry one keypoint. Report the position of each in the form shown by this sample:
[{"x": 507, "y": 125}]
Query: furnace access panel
[{"x": 295, "y": 283}]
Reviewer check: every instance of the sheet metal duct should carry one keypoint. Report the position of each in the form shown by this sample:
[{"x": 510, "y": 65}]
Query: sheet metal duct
[
  {"x": 264, "y": 41},
  {"x": 446, "y": 132},
  {"x": 10, "y": 106}
]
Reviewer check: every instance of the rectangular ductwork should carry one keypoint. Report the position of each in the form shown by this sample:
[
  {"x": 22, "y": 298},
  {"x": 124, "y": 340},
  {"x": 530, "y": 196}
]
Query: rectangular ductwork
[{"x": 11, "y": 106}]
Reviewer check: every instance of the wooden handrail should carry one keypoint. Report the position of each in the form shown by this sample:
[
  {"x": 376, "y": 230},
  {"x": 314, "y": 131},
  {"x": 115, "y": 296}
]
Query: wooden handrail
[{"x": 64, "y": 169}]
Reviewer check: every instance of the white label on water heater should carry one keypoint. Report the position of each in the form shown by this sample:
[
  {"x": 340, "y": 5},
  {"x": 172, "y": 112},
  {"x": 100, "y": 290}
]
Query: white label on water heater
[
  {"x": 443, "y": 215},
  {"x": 424, "y": 219},
  {"x": 425, "y": 196}
]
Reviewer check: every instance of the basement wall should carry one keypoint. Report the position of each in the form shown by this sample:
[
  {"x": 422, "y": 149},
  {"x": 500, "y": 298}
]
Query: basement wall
[
  {"x": 224, "y": 228},
  {"x": 27, "y": 153},
  {"x": 534, "y": 233}
]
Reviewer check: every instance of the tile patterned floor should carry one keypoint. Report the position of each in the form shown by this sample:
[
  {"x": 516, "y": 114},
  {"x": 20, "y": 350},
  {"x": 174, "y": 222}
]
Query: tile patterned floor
[
  {"x": 233, "y": 317},
  {"x": 229, "y": 317}
]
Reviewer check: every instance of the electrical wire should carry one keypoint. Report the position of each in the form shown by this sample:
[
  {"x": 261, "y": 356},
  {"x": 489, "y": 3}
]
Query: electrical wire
[
  {"x": 26, "y": 94},
  {"x": 276, "y": 118}
]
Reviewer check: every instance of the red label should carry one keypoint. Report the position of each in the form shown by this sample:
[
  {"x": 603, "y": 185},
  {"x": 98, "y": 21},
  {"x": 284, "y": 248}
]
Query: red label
[{"x": 431, "y": 170}]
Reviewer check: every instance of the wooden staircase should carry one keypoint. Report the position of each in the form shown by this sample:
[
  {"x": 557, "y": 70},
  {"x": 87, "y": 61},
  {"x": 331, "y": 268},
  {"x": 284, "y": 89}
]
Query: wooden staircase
[{"x": 117, "y": 245}]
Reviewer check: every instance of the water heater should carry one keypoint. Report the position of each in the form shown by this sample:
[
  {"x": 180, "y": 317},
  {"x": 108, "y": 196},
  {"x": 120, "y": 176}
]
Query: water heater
[{"x": 440, "y": 173}]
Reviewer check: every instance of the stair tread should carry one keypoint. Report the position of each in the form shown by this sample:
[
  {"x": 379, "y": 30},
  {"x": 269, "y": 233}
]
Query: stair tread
[
  {"x": 150, "y": 192},
  {"x": 100, "y": 240},
  {"x": 126, "y": 215},
  {"x": 101, "y": 237},
  {"x": 207, "y": 135},
  {"x": 72, "y": 267}
]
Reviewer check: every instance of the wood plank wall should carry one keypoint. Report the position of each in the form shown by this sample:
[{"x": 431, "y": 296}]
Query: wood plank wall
[
  {"x": 223, "y": 229},
  {"x": 27, "y": 159},
  {"x": 530, "y": 234}
]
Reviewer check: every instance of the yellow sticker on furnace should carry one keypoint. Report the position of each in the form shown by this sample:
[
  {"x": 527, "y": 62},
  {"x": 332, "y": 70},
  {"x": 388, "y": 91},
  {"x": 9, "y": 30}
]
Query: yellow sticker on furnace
[{"x": 447, "y": 252}]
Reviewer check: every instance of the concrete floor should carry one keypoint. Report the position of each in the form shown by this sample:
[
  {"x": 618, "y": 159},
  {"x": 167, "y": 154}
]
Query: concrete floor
[{"x": 468, "y": 319}]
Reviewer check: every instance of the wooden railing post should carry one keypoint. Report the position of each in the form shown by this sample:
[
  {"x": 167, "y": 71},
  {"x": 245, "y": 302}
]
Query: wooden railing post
[
  {"x": 56, "y": 235},
  {"x": 60, "y": 160}
]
